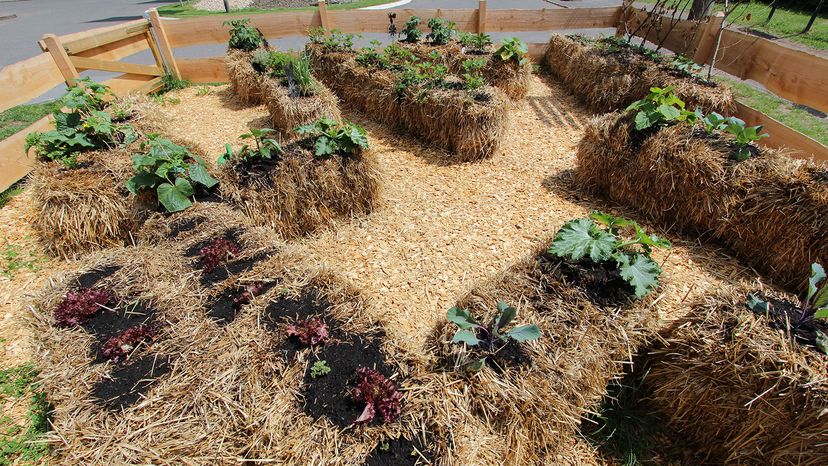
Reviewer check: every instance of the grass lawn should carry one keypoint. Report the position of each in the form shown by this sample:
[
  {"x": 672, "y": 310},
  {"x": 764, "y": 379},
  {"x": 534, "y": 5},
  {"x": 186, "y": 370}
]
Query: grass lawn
[
  {"x": 17, "y": 118},
  {"x": 786, "y": 23},
  {"x": 187, "y": 10}
]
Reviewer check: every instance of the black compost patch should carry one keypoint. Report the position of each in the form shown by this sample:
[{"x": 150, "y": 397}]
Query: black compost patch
[
  {"x": 223, "y": 272},
  {"x": 784, "y": 315},
  {"x": 224, "y": 308},
  {"x": 287, "y": 309},
  {"x": 130, "y": 382},
  {"x": 91, "y": 278},
  {"x": 398, "y": 452},
  {"x": 106, "y": 324},
  {"x": 600, "y": 281}
]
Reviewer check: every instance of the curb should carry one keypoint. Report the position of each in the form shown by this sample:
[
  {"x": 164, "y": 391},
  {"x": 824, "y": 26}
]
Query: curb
[
  {"x": 386, "y": 6},
  {"x": 4, "y": 16}
]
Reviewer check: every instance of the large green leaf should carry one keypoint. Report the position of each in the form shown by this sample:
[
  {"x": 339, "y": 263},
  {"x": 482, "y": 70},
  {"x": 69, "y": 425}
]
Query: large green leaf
[
  {"x": 524, "y": 333},
  {"x": 578, "y": 238},
  {"x": 642, "y": 120},
  {"x": 611, "y": 221},
  {"x": 172, "y": 199},
  {"x": 461, "y": 317},
  {"x": 507, "y": 315},
  {"x": 184, "y": 186},
  {"x": 817, "y": 275},
  {"x": 141, "y": 180},
  {"x": 465, "y": 336},
  {"x": 639, "y": 271},
  {"x": 200, "y": 175}
]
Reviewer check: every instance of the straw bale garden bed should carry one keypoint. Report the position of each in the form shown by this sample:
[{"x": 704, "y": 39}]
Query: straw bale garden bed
[{"x": 417, "y": 254}]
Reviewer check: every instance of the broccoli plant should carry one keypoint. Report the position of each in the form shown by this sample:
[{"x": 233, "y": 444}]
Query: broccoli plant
[
  {"x": 310, "y": 332},
  {"x": 120, "y": 346},
  {"x": 442, "y": 31},
  {"x": 492, "y": 338},
  {"x": 745, "y": 135},
  {"x": 334, "y": 138},
  {"x": 169, "y": 169},
  {"x": 78, "y": 306},
  {"x": 411, "y": 31},
  {"x": 217, "y": 252},
  {"x": 243, "y": 36},
  {"x": 659, "y": 109},
  {"x": 512, "y": 49},
  {"x": 473, "y": 78},
  {"x": 266, "y": 148},
  {"x": 815, "y": 304},
  {"x": 379, "y": 393},
  {"x": 475, "y": 43},
  {"x": 585, "y": 238},
  {"x": 320, "y": 369}
]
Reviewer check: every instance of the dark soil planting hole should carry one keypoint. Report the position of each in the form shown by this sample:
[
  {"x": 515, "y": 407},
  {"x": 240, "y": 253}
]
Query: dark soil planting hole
[
  {"x": 224, "y": 307},
  {"x": 398, "y": 452},
  {"x": 601, "y": 282},
  {"x": 288, "y": 309},
  {"x": 127, "y": 384},
  {"x": 784, "y": 315},
  {"x": 106, "y": 324},
  {"x": 223, "y": 272},
  {"x": 184, "y": 226},
  {"x": 91, "y": 278}
]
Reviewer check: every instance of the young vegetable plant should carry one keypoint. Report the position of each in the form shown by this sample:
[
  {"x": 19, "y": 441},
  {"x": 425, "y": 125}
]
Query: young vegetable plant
[
  {"x": 335, "y": 41},
  {"x": 334, "y": 138},
  {"x": 442, "y": 31},
  {"x": 686, "y": 66},
  {"x": 585, "y": 238},
  {"x": 379, "y": 393},
  {"x": 320, "y": 369},
  {"x": 745, "y": 135},
  {"x": 243, "y": 36},
  {"x": 217, "y": 252},
  {"x": 472, "y": 77},
  {"x": 411, "y": 31},
  {"x": 512, "y": 49},
  {"x": 266, "y": 148},
  {"x": 80, "y": 305},
  {"x": 659, "y": 109},
  {"x": 475, "y": 43},
  {"x": 310, "y": 332},
  {"x": 371, "y": 56},
  {"x": 120, "y": 346},
  {"x": 171, "y": 170},
  {"x": 492, "y": 338}
]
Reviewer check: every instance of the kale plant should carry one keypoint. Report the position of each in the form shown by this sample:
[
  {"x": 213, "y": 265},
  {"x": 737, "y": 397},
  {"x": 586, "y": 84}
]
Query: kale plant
[
  {"x": 334, "y": 138},
  {"x": 659, "y": 109},
  {"x": 320, "y": 369},
  {"x": 310, "y": 332},
  {"x": 379, "y": 393},
  {"x": 243, "y": 36},
  {"x": 815, "y": 304},
  {"x": 512, "y": 49},
  {"x": 601, "y": 238},
  {"x": 171, "y": 170},
  {"x": 78, "y": 306},
  {"x": 442, "y": 31},
  {"x": 489, "y": 338},
  {"x": 475, "y": 43},
  {"x": 412, "y": 34},
  {"x": 266, "y": 148}
]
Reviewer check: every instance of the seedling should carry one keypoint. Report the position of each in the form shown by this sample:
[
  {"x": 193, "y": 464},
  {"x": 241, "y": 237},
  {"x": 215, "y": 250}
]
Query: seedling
[
  {"x": 512, "y": 49},
  {"x": 217, "y": 252},
  {"x": 319, "y": 369},
  {"x": 713, "y": 122},
  {"x": 585, "y": 238},
  {"x": 659, "y": 109},
  {"x": 169, "y": 169},
  {"x": 243, "y": 36},
  {"x": 247, "y": 293},
  {"x": 745, "y": 135},
  {"x": 119, "y": 347},
  {"x": 815, "y": 304},
  {"x": 379, "y": 393},
  {"x": 687, "y": 66},
  {"x": 334, "y": 138},
  {"x": 78, "y": 306},
  {"x": 492, "y": 338},
  {"x": 412, "y": 34},
  {"x": 472, "y": 77},
  {"x": 442, "y": 31},
  {"x": 475, "y": 43},
  {"x": 266, "y": 148},
  {"x": 310, "y": 332},
  {"x": 335, "y": 41}
]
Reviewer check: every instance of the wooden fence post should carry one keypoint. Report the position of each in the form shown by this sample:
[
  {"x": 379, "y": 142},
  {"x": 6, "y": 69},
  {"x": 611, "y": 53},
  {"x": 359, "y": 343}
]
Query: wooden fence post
[
  {"x": 61, "y": 58},
  {"x": 626, "y": 9},
  {"x": 707, "y": 42},
  {"x": 481, "y": 17},
  {"x": 164, "y": 44},
  {"x": 323, "y": 15}
]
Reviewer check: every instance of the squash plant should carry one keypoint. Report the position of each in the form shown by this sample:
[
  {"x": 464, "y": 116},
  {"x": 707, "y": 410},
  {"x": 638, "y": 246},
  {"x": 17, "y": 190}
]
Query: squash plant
[
  {"x": 171, "y": 170},
  {"x": 604, "y": 238},
  {"x": 266, "y": 148},
  {"x": 334, "y": 138},
  {"x": 243, "y": 36},
  {"x": 660, "y": 108},
  {"x": 489, "y": 338}
]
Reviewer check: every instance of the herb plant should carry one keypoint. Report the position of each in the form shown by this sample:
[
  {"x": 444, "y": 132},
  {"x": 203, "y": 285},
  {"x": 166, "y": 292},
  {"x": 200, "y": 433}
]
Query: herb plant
[
  {"x": 380, "y": 395},
  {"x": 475, "y": 43},
  {"x": 266, "y": 148},
  {"x": 601, "y": 239},
  {"x": 320, "y": 369},
  {"x": 171, "y": 170},
  {"x": 334, "y": 138},
  {"x": 512, "y": 49},
  {"x": 217, "y": 252},
  {"x": 78, "y": 306},
  {"x": 310, "y": 332},
  {"x": 659, "y": 109},
  {"x": 243, "y": 36},
  {"x": 411, "y": 31},
  {"x": 120, "y": 346},
  {"x": 442, "y": 31},
  {"x": 492, "y": 338}
]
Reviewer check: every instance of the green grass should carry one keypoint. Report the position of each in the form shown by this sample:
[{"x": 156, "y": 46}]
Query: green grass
[
  {"x": 9, "y": 193},
  {"x": 786, "y": 23},
  {"x": 17, "y": 118},
  {"x": 780, "y": 110},
  {"x": 186, "y": 10},
  {"x": 21, "y": 441}
]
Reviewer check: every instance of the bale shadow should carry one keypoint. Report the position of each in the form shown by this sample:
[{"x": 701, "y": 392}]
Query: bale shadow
[{"x": 230, "y": 101}]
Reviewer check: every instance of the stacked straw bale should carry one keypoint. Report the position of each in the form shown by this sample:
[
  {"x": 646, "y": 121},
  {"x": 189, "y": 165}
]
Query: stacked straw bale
[
  {"x": 287, "y": 112},
  {"x": 611, "y": 81},
  {"x": 537, "y": 408},
  {"x": 742, "y": 391},
  {"x": 245, "y": 81},
  {"x": 767, "y": 209}
]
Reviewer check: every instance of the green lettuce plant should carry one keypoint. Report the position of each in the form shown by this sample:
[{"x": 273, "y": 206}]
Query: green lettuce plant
[{"x": 604, "y": 238}]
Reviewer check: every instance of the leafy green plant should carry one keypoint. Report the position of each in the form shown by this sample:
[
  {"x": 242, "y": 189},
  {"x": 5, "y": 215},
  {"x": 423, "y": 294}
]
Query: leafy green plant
[
  {"x": 335, "y": 40},
  {"x": 87, "y": 95},
  {"x": 512, "y": 49},
  {"x": 493, "y": 337},
  {"x": 14, "y": 259},
  {"x": 475, "y": 43},
  {"x": 473, "y": 78},
  {"x": 600, "y": 238},
  {"x": 21, "y": 440},
  {"x": 411, "y": 31},
  {"x": 686, "y": 66},
  {"x": 334, "y": 138},
  {"x": 171, "y": 170},
  {"x": 659, "y": 109},
  {"x": 745, "y": 135},
  {"x": 713, "y": 122},
  {"x": 297, "y": 72},
  {"x": 371, "y": 56},
  {"x": 815, "y": 304},
  {"x": 243, "y": 36},
  {"x": 266, "y": 148},
  {"x": 319, "y": 369},
  {"x": 171, "y": 83},
  {"x": 442, "y": 31}
]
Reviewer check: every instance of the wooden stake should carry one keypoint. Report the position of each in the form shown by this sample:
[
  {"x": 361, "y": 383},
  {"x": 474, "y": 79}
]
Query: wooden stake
[
  {"x": 323, "y": 15},
  {"x": 481, "y": 17},
  {"x": 707, "y": 42},
  {"x": 164, "y": 44},
  {"x": 67, "y": 69}
]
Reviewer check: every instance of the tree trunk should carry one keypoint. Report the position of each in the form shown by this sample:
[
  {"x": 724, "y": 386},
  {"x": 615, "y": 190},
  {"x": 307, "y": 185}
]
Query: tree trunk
[{"x": 700, "y": 9}]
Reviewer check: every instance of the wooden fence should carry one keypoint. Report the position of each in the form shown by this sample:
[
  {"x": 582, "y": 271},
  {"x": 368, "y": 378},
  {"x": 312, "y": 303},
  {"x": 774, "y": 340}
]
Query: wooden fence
[{"x": 792, "y": 74}]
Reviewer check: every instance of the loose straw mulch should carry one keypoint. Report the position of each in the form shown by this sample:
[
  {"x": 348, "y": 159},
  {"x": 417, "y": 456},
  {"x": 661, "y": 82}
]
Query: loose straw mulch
[
  {"x": 742, "y": 391},
  {"x": 767, "y": 209}
]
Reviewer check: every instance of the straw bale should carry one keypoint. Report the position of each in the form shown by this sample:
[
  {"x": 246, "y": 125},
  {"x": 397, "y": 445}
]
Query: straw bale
[
  {"x": 766, "y": 209},
  {"x": 537, "y": 408},
  {"x": 741, "y": 391},
  {"x": 287, "y": 112},
  {"x": 300, "y": 192},
  {"x": 246, "y": 82}
]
